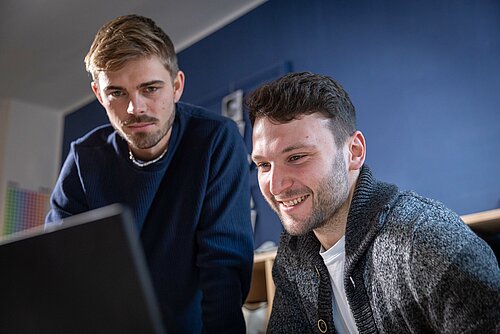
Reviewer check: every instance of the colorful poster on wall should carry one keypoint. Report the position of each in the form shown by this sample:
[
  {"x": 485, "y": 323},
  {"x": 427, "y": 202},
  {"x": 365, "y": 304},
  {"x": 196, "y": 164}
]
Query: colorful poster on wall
[{"x": 24, "y": 208}]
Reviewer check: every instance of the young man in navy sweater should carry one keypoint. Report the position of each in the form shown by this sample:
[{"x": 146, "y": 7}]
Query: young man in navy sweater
[{"x": 182, "y": 171}]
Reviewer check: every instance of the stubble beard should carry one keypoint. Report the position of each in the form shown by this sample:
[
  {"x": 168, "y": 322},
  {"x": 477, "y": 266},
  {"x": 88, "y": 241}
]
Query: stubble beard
[
  {"x": 144, "y": 140},
  {"x": 331, "y": 195}
]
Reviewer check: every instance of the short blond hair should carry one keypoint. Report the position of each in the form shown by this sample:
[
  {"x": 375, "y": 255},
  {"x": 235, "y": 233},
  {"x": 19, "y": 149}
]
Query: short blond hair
[{"x": 127, "y": 38}]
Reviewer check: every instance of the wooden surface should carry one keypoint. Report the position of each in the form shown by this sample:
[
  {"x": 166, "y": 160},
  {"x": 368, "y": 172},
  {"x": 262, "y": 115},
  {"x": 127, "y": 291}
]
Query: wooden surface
[
  {"x": 262, "y": 286},
  {"x": 484, "y": 222}
]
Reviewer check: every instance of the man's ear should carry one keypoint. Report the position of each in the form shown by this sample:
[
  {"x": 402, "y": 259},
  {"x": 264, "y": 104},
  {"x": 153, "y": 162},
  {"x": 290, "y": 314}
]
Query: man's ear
[
  {"x": 178, "y": 85},
  {"x": 357, "y": 151},
  {"x": 95, "y": 89}
]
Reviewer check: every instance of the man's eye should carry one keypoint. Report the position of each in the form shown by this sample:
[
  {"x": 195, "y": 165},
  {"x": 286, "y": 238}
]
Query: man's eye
[
  {"x": 263, "y": 165},
  {"x": 151, "y": 89},
  {"x": 295, "y": 157},
  {"x": 116, "y": 93}
]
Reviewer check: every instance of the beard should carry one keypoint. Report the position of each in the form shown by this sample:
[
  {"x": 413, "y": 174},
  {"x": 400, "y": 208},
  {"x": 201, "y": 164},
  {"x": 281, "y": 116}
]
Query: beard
[
  {"x": 332, "y": 194},
  {"x": 144, "y": 140}
]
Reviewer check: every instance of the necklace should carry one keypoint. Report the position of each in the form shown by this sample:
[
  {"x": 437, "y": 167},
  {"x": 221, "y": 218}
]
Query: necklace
[{"x": 145, "y": 163}]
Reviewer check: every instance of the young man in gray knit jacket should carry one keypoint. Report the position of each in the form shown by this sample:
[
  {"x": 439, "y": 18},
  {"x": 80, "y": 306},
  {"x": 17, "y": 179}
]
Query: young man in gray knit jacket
[{"x": 357, "y": 254}]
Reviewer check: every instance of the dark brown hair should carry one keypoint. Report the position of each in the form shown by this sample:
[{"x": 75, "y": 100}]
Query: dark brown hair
[{"x": 297, "y": 94}]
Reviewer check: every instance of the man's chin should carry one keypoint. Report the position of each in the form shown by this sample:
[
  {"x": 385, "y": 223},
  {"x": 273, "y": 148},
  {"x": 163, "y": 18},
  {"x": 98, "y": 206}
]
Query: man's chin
[
  {"x": 295, "y": 228},
  {"x": 142, "y": 142}
]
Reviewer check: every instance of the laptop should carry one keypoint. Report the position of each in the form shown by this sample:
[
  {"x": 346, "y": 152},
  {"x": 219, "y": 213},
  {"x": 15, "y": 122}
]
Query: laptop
[{"x": 86, "y": 274}]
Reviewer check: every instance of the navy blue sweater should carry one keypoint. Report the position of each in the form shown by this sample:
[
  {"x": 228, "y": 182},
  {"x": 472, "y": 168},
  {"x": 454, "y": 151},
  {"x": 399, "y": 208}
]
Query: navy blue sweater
[{"x": 191, "y": 208}]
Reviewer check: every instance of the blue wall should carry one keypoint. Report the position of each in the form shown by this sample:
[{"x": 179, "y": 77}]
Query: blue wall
[
  {"x": 81, "y": 121},
  {"x": 424, "y": 77}
]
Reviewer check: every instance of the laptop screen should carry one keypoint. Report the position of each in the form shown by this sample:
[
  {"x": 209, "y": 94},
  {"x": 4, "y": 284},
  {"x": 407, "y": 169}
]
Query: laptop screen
[{"x": 85, "y": 275}]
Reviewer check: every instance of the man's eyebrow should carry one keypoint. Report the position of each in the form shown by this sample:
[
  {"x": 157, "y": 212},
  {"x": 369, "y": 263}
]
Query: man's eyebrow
[
  {"x": 288, "y": 149},
  {"x": 298, "y": 146},
  {"x": 107, "y": 88},
  {"x": 152, "y": 82},
  {"x": 256, "y": 157},
  {"x": 142, "y": 85}
]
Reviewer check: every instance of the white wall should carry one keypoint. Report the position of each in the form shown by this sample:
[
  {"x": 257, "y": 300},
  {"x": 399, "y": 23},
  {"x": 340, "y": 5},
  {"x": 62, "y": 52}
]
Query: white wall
[
  {"x": 4, "y": 113},
  {"x": 30, "y": 147}
]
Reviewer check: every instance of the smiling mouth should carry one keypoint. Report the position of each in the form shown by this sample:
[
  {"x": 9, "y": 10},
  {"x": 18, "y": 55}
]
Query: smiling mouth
[{"x": 295, "y": 201}]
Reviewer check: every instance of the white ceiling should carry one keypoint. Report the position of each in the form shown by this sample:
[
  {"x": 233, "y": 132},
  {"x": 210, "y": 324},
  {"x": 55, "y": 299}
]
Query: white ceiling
[{"x": 43, "y": 42}]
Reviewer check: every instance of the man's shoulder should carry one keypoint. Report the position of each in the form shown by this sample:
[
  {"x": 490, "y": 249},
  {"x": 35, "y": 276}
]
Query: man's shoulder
[
  {"x": 412, "y": 207},
  {"x": 199, "y": 115},
  {"x": 188, "y": 110},
  {"x": 202, "y": 126},
  {"x": 427, "y": 223},
  {"x": 434, "y": 234},
  {"x": 97, "y": 137}
]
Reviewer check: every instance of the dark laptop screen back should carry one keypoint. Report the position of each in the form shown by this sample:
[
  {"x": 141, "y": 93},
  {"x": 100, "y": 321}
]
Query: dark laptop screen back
[{"x": 87, "y": 275}]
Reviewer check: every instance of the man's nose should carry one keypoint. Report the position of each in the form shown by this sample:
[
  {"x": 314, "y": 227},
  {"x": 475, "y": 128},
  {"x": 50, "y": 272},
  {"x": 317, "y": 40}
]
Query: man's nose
[
  {"x": 279, "y": 181},
  {"x": 136, "y": 104}
]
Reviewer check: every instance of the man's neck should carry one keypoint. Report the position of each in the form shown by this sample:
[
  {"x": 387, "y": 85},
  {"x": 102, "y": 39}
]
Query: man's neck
[{"x": 334, "y": 230}]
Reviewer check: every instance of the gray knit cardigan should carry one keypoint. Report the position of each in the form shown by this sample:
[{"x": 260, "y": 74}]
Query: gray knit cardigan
[{"x": 412, "y": 266}]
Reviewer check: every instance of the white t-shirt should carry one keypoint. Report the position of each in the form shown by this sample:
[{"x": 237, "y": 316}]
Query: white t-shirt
[{"x": 334, "y": 259}]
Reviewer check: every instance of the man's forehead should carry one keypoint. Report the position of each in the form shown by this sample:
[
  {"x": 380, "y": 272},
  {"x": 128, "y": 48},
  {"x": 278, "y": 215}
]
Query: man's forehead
[
  {"x": 265, "y": 126},
  {"x": 101, "y": 79},
  {"x": 140, "y": 69},
  {"x": 105, "y": 81},
  {"x": 282, "y": 139}
]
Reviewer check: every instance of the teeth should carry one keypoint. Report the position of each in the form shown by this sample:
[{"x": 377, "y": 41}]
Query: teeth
[{"x": 295, "y": 201}]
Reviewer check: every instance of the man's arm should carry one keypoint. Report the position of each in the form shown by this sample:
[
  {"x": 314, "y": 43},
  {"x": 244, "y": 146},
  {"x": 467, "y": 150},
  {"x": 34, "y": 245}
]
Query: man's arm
[
  {"x": 462, "y": 286},
  {"x": 225, "y": 237},
  {"x": 67, "y": 198}
]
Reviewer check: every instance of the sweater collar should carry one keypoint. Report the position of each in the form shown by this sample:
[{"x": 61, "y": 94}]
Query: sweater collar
[{"x": 370, "y": 202}]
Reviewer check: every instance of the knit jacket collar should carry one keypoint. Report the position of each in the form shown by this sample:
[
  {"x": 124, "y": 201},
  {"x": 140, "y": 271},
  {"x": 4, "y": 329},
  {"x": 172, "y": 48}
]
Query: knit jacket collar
[
  {"x": 371, "y": 201},
  {"x": 370, "y": 204}
]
